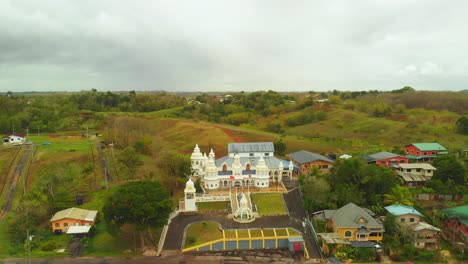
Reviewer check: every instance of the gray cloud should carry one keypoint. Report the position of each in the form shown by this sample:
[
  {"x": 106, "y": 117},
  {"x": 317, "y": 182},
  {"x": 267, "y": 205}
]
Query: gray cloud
[{"x": 238, "y": 45}]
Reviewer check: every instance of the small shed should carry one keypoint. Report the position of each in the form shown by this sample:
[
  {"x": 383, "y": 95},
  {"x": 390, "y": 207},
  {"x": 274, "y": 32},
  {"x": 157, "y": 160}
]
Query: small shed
[{"x": 295, "y": 244}]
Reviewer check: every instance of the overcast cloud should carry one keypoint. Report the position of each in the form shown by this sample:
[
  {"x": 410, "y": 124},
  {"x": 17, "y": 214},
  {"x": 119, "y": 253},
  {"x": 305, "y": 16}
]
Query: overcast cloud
[{"x": 232, "y": 46}]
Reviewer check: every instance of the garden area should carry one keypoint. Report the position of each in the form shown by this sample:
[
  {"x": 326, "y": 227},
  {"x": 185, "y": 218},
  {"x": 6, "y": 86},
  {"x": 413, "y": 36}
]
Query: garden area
[
  {"x": 269, "y": 203},
  {"x": 202, "y": 232}
]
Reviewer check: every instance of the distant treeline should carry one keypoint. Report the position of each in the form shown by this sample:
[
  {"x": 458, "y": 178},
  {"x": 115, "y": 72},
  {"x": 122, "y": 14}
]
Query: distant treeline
[{"x": 57, "y": 111}]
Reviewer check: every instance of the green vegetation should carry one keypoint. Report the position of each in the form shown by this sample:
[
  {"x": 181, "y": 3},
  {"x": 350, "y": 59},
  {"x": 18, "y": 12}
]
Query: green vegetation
[
  {"x": 149, "y": 136},
  {"x": 202, "y": 232},
  {"x": 212, "y": 206},
  {"x": 144, "y": 204},
  {"x": 269, "y": 203}
]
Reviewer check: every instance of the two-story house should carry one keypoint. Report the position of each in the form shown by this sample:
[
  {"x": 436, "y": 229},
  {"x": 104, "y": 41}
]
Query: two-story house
[
  {"x": 414, "y": 175},
  {"x": 350, "y": 225},
  {"x": 386, "y": 159},
  {"x": 424, "y": 152},
  {"x": 423, "y": 235},
  {"x": 308, "y": 160}
]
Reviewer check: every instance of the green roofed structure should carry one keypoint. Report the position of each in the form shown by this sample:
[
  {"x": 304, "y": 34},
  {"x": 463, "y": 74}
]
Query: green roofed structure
[
  {"x": 456, "y": 221},
  {"x": 424, "y": 152}
]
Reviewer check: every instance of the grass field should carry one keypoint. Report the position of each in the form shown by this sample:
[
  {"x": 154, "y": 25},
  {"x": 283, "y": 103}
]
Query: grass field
[
  {"x": 269, "y": 203},
  {"x": 202, "y": 232},
  {"x": 212, "y": 206}
]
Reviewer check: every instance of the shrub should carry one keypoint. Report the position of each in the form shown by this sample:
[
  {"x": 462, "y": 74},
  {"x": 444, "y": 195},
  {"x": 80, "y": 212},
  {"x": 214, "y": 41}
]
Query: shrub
[{"x": 49, "y": 246}]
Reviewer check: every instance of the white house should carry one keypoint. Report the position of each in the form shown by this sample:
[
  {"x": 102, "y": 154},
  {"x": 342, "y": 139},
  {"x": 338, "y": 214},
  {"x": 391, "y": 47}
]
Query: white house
[
  {"x": 414, "y": 174},
  {"x": 14, "y": 139},
  {"x": 247, "y": 164}
]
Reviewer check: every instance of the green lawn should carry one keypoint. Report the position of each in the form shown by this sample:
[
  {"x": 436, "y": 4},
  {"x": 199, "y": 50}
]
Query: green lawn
[
  {"x": 269, "y": 203},
  {"x": 202, "y": 232},
  {"x": 212, "y": 206}
]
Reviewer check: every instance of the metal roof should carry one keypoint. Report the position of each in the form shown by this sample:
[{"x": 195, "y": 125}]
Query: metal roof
[
  {"x": 75, "y": 213},
  {"x": 271, "y": 161},
  {"x": 402, "y": 210},
  {"x": 382, "y": 155},
  {"x": 303, "y": 156},
  {"x": 424, "y": 166},
  {"x": 428, "y": 146},
  {"x": 250, "y": 147},
  {"x": 78, "y": 229},
  {"x": 349, "y": 216},
  {"x": 418, "y": 226}
]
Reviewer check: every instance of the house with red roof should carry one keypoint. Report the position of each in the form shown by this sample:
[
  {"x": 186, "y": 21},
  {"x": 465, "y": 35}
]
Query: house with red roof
[{"x": 386, "y": 159}]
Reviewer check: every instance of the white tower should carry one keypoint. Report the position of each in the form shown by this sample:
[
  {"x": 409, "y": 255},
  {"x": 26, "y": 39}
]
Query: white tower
[
  {"x": 212, "y": 154},
  {"x": 291, "y": 168},
  {"x": 280, "y": 173},
  {"x": 262, "y": 178},
  {"x": 189, "y": 198},
  {"x": 236, "y": 166},
  {"x": 211, "y": 175},
  {"x": 197, "y": 162}
]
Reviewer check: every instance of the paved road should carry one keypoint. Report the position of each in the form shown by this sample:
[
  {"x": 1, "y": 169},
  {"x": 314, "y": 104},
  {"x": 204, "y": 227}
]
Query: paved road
[{"x": 175, "y": 234}]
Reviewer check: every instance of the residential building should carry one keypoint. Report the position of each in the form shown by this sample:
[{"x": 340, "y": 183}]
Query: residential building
[
  {"x": 308, "y": 160},
  {"x": 352, "y": 223},
  {"x": 455, "y": 224},
  {"x": 14, "y": 139},
  {"x": 65, "y": 219},
  {"x": 386, "y": 159},
  {"x": 250, "y": 164},
  {"x": 423, "y": 235},
  {"x": 424, "y": 152},
  {"x": 414, "y": 175}
]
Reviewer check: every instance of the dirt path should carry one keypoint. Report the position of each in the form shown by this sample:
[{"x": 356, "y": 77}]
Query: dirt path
[
  {"x": 14, "y": 179},
  {"x": 230, "y": 134}
]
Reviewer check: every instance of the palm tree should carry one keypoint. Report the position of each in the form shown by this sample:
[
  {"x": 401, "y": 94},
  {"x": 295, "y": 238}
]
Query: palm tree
[{"x": 399, "y": 195}]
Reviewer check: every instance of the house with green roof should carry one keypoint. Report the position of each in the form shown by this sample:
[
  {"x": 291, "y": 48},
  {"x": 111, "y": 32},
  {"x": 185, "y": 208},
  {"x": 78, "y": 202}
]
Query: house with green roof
[
  {"x": 424, "y": 152},
  {"x": 455, "y": 221}
]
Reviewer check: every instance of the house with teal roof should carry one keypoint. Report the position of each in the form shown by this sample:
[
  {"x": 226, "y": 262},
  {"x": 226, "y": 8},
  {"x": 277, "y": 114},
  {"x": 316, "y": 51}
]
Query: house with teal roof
[
  {"x": 423, "y": 235},
  {"x": 424, "y": 152},
  {"x": 404, "y": 213}
]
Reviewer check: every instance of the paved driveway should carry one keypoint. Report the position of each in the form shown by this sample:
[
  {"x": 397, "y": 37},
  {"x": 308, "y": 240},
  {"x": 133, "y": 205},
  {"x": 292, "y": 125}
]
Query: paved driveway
[{"x": 175, "y": 234}]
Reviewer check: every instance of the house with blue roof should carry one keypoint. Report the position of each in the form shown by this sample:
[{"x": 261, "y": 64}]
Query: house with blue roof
[
  {"x": 423, "y": 235},
  {"x": 405, "y": 214}
]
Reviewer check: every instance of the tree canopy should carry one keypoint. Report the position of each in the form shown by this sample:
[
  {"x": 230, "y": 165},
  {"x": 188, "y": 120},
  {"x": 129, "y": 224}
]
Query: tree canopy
[
  {"x": 449, "y": 169},
  {"x": 145, "y": 203}
]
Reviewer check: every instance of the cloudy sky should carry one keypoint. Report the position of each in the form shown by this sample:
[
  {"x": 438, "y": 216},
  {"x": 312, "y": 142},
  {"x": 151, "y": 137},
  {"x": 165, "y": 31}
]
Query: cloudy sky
[{"x": 69, "y": 45}]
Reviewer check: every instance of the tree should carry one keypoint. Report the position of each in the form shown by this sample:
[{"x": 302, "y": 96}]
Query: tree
[
  {"x": 449, "y": 168},
  {"x": 462, "y": 125},
  {"x": 280, "y": 147},
  {"x": 399, "y": 195},
  {"x": 145, "y": 204},
  {"x": 130, "y": 160}
]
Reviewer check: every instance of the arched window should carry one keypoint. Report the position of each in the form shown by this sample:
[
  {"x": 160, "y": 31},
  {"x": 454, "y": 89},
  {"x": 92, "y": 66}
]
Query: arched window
[
  {"x": 348, "y": 233},
  {"x": 224, "y": 167}
]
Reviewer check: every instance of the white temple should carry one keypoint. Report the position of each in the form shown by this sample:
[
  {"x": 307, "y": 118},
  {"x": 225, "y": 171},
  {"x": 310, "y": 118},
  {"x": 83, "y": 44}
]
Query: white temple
[
  {"x": 247, "y": 164},
  {"x": 189, "y": 198}
]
